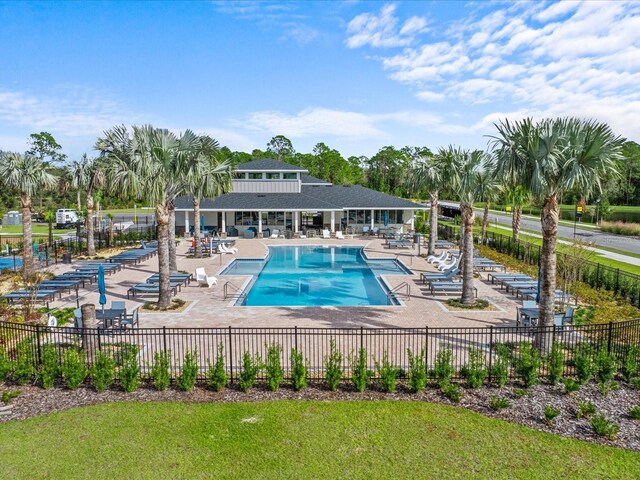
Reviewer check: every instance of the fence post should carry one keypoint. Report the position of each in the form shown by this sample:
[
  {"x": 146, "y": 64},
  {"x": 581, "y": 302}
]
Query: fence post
[
  {"x": 426, "y": 348},
  {"x": 230, "y": 357},
  {"x": 490, "y": 354},
  {"x": 295, "y": 337},
  {"x": 361, "y": 337},
  {"x": 610, "y": 337},
  {"x": 164, "y": 339},
  {"x": 617, "y": 280},
  {"x": 39, "y": 357}
]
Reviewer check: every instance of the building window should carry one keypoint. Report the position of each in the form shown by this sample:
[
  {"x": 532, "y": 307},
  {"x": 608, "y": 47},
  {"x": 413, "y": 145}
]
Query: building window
[
  {"x": 399, "y": 215},
  {"x": 255, "y": 176},
  {"x": 273, "y": 176},
  {"x": 240, "y": 175},
  {"x": 290, "y": 176},
  {"x": 247, "y": 218}
]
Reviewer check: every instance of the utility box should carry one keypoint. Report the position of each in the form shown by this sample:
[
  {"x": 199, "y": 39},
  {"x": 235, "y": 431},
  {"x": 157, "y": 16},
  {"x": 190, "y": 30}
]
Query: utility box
[{"x": 12, "y": 218}]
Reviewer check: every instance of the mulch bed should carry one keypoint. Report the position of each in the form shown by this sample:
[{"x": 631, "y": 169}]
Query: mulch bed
[{"x": 524, "y": 410}]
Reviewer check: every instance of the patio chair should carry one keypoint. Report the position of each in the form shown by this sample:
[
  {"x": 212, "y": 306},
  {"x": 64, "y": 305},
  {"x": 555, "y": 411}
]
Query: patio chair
[
  {"x": 375, "y": 230},
  {"x": 301, "y": 234},
  {"x": 568, "y": 315},
  {"x": 520, "y": 319},
  {"x": 339, "y": 235},
  {"x": 434, "y": 258},
  {"x": 131, "y": 320},
  {"x": 365, "y": 230},
  {"x": 119, "y": 306},
  {"x": 203, "y": 279},
  {"x": 326, "y": 234},
  {"x": 275, "y": 233},
  {"x": 77, "y": 318}
]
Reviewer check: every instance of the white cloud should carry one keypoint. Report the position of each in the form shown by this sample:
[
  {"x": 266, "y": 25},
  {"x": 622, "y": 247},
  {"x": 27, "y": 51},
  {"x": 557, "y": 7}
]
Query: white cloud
[
  {"x": 383, "y": 29},
  {"x": 542, "y": 59}
]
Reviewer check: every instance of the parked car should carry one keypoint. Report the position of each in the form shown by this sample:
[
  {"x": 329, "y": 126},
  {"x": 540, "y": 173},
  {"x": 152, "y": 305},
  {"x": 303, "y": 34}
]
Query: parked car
[
  {"x": 38, "y": 217},
  {"x": 66, "y": 218}
]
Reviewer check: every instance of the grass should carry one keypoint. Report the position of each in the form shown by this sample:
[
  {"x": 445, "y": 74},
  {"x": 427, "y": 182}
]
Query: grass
[
  {"x": 36, "y": 229},
  {"x": 294, "y": 439}
]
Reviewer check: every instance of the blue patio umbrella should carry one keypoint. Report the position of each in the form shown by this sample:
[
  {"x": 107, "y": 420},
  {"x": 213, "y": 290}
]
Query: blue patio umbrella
[
  {"x": 386, "y": 218},
  {"x": 102, "y": 288},
  {"x": 202, "y": 223}
]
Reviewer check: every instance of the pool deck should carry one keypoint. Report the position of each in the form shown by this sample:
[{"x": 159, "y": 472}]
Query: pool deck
[{"x": 209, "y": 309}]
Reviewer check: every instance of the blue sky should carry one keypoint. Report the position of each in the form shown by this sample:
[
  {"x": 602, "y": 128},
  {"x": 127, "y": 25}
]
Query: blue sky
[{"x": 354, "y": 75}]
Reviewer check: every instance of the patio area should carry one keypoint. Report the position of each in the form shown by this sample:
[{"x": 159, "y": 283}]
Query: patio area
[{"x": 208, "y": 308}]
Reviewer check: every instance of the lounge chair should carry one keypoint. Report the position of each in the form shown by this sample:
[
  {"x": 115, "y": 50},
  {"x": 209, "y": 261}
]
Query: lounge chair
[
  {"x": 326, "y": 234},
  {"x": 224, "y": 249},
  {"x": 439, "y": 277},
  {"x": 448, "y": 287},
  {"x": 435, "y": 258},
  {"x": 150, "y": 288},
  {"x": 275, "y": 233},
  {"x": 203, "y": 279},
  {"x": 339, "y": 235}
]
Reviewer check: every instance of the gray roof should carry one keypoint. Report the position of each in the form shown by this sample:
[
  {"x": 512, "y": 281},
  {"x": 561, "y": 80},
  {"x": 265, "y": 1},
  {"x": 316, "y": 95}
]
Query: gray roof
[
  {"x": 266, "y": 164},
  {"x": 308, "y": 179},
  {"x": 321, "y": 197}
]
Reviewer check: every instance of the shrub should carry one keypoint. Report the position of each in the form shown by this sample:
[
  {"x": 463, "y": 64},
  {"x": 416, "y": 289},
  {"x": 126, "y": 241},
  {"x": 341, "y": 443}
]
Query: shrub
[
  {"x": 603, "y": 427},
  {"x": 498, "y": 403},
  {"x": 249, "y": 371},
  {"x": 298, "y": 370},
  {"x": 9, "y": 395},
  {"x": 585, "y": 367},
  {"x": 550, "y": 413},
  {"x": 520, "y": 392},
  {"x": 528, "y": 364},
  {"x": 606, "y": 387},
  {"x": 605, "y": 366},
  {"x": 502, "y": 362},
  {"x": 333, "y": 366},
  {"x": 417, "y": 370},
  {"x": 73, "y": 369},
  {"x": 586, "y": 409},
  {"x": 629, "y": 367},
  {"x": 360, "y": 374},
  {"x": 635, "y": 383},
  {"x": 443, "y": 368},
  {"x": 23, "y": 369},
  {"x": 555, "y": 364},
  {"x": 130, "y": 371},
  {"x": 451, "y": 391},
  {"x": 217, "y": 373},
  {"x": 634, "y": 412},
  {"x": 5, "y": 365},
  {"x": 189, "y": 375},
  {"x": 273, "y": 367},
  {"x": 620, "y": 227},
  {"x": 388, "y": 374},
  {"x": 49, "y": 369},
  {"x": 475, "y": 372},
  {"x": 160, "y": 371},
  {"x": 103, "y": 371},
  {"x": 570, "y": 385}
]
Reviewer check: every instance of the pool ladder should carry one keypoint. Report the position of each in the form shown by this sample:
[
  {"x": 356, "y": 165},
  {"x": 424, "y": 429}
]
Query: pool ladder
[
  {"x": 232, "y": 291},
  {"x": 400, "y": 291}
]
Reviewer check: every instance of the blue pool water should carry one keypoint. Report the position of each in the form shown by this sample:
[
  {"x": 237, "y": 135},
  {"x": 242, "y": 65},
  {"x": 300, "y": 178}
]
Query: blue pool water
[
  {"x": 7, "y": 262},
  {"x": 316, "y": 276}
]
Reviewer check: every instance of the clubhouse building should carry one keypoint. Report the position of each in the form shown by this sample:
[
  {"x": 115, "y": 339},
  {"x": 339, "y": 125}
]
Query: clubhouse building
[{"x": 269, "y": 194}]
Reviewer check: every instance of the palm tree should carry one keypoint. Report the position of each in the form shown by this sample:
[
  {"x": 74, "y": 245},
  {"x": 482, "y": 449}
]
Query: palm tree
[
  {"x": 211, "y": 179},
  {"x": 466, "y": 169},
  {"x": 548, "y": 158},
  {"x": 488, "y": 189},
  {"x": 87, "y": 176},
  {"x": 28, "y": 176},
  {"x": 518, "y": 197},
  {"x": 427, "y": 174},
  {"x": 155, "y": 164}
]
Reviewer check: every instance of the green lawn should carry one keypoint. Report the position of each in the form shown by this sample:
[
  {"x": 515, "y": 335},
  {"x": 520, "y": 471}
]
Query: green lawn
[
  {"x": 295, "y": 439},
  {"x": 36, "y": 229}
]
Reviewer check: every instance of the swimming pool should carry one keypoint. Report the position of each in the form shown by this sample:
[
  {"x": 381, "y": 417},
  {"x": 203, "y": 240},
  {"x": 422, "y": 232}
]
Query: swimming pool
[
  {"x": 7, "y": 262},
  {"x": 306, "y": 276}
]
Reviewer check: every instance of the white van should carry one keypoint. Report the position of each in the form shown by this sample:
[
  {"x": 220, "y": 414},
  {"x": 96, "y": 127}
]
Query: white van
[{"x": 66, "y": 218}]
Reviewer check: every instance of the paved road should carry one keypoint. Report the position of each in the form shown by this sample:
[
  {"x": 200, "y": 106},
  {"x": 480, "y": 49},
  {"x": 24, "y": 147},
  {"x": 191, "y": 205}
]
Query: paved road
[{"x": 619, "y": 242}]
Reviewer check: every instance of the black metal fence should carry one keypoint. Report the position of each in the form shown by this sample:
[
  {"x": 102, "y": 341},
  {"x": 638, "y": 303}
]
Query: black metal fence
[
  {"x": 26, "y": 343},
  {"x": 596, "y": 275},
  {"x": 47, "y": 252}
]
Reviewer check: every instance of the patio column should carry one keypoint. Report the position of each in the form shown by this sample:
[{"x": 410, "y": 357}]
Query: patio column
[
  {"x": 372, "y": 218},
  {"x": 224, "y": 222},
  {"x": 412, "y": 221},
  {"x": 296, "y": 221},
  {"x": 259, "y": 222},
  {"x": 186, "y": 222},
  {"x": 333, "y": 221}
]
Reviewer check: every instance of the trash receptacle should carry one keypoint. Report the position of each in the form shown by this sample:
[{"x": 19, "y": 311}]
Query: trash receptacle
[
  {"x": 66, "y": 257},
  {"x": 417, "y": 238}
]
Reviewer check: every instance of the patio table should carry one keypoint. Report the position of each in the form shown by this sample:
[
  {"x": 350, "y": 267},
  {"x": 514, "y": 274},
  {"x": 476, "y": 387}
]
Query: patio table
[{"x": 109, "y": 315}]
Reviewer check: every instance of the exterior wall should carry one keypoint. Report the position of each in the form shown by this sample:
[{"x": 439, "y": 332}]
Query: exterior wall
[{"x": 266, "y": 186}]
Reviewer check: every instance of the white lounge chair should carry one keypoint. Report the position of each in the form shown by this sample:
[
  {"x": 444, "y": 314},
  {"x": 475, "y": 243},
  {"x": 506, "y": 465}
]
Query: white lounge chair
[
  {"x": 326, "y": 234},
  {"x": 224, "y": 249},
  {"x": 275, "y": 233},
  {"x": 339, "y": 235},
  {"x": 435, "y": 258},
  {"x": 203, "y": 279}
]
